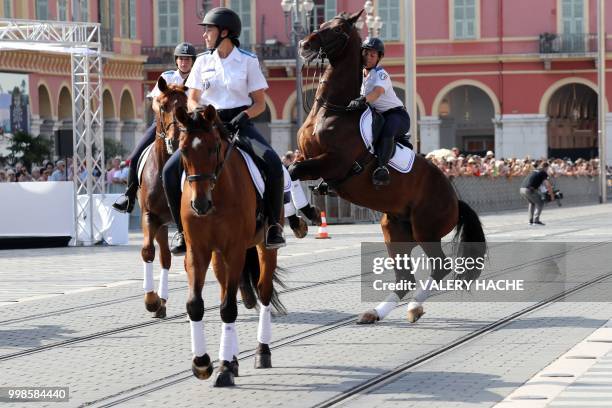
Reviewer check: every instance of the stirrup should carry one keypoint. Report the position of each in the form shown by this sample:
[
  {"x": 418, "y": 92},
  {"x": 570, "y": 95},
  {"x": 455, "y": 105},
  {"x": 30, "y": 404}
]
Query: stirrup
[
  {"x": 275, "y": 245},
  {"x": 125, "y": 206},
  {"x": 380, "y": 176}
]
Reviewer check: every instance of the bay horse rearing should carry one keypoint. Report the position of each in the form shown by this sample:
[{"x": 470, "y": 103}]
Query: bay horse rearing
[
  {"x": 219, "y": 212},
  {"x": 155, "y": 214},
  {"x": 419, "y": 207}
]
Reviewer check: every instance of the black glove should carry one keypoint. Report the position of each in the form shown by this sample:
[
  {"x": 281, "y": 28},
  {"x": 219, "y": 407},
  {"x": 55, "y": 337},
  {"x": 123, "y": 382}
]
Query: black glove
[
  {"x": 239, "y": 122},
  {"x": 358, "y": 103}
]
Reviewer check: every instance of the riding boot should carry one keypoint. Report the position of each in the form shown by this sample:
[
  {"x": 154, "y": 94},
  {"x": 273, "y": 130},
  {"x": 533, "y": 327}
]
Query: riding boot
[
  {"x": 125, "y": 203},
  {"x": 171, "y": 181},
  {"x": 380, "y": 177},
  {"x": 274, "y": 203},
  {"x": 178, "y": 241}
]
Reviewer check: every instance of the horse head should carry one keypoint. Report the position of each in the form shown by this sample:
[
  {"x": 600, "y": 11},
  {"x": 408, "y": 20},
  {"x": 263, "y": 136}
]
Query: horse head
[
  {"x": 331, "y": 39},
  {"x": 200, "y": 147},
  {"x": 172, "y": 96}
]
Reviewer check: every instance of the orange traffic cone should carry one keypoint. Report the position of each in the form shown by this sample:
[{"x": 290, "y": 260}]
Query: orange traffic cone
[{"x": 322, "y": 232}]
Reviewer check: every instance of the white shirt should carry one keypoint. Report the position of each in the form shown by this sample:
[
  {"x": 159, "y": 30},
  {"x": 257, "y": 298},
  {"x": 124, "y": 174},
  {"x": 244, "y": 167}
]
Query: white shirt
[
  {"x": 171, "y": 77},
  {"x": 226, "y": 83},
  {"x": 379, "y": 77}
]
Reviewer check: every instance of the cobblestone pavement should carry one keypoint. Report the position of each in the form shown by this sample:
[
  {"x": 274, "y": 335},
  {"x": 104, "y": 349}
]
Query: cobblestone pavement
[{"x": 75, "y": 317}]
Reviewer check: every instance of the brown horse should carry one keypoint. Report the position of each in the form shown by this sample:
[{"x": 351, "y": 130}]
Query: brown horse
[
  {"x": 419, "y": 208},
  {"x": 155, "y": 215},
  {"x": 222, "y": 224}
]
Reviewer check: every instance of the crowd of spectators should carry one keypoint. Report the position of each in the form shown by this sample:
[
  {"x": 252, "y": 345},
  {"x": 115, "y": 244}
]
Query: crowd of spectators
[
  {"x": 62, "y": 170},
  {"x": 455, "y": 164},
  {"x": 451, "y": 161}
]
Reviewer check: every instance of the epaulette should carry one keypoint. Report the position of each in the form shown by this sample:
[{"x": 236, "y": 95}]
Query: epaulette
[{"x": 250, "y": 54}]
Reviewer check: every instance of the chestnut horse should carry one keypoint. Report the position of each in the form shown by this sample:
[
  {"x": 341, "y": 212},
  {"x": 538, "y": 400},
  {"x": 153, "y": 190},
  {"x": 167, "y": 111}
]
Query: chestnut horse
[
  {"x": 155, "y": 215},
  {"x": 222, "y": 224},
  {"x": 419, "y": 207}
]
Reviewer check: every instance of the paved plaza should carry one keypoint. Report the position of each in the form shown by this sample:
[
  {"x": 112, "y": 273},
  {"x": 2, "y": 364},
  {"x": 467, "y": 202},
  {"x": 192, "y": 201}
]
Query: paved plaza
[{"x": 75, "y": 317}]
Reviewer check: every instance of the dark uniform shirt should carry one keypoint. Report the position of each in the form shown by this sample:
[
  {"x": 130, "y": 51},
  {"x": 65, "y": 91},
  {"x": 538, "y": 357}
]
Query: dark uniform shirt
[{"x": 535, "y": 179}]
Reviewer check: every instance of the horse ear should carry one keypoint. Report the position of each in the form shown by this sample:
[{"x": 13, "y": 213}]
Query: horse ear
[
  {"x": 210, "y": 113},
  {"x": 353, "y": 19},
  {"x": 182, "y": 115},
  {"x": 161, "y": 84}
]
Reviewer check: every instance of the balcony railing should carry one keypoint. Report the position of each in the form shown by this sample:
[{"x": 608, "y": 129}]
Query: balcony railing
[
  {"x": 567, "y": 43},
  {"x": 106, "y": 38},
  {"x": 164, "y": 55}
]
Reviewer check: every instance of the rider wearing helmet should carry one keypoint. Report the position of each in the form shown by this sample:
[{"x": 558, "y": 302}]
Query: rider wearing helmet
[
  {"x": 231, "y": 80},
  {"x": 377, "y": 90},
  {"x": 184, "y": 57}
]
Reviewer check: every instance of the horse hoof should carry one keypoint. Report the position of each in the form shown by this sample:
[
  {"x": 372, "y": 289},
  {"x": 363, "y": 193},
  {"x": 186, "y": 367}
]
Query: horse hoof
[
  {"x": 263, "y": 356},
  {"x": 152, "y": 301},
  {"x": 368, "y": 317},
  {"x": 301, "y": 230},
  {"x": 234, "y": 366},
  {"x": 224, "y": 377},
  {"x": 161, "y": 312},
  {"x": 201, "y": 367},
  {"x": 415, "y": 314}
]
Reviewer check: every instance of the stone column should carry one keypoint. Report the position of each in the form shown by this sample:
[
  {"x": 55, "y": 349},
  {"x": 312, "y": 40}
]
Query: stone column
[
  {"x": 430, "y": 133},
  {"x": 280, "y": 136},
  {"x": 521, "y": 135},
  {"x": 128, "y": 134},
  {"x": 112, "y": 129},
  {"x": 35, "y": 125}
]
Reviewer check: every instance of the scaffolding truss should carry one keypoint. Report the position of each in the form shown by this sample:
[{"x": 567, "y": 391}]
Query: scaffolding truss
[{"x": 82, "y": 42}]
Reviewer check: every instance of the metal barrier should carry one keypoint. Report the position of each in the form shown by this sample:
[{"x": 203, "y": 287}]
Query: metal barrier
[{"x": 483, "y": 194}]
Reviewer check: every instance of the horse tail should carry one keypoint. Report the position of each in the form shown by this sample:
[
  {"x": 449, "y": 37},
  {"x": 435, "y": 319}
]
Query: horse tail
[
  {"x": 469, "y": 241},
  {"x": 250, "y": 280}
]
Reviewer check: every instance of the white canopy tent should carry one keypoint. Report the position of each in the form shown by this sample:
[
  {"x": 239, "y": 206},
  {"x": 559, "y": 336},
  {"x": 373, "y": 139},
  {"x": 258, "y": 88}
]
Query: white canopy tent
[{"x": 82, "y": 42}]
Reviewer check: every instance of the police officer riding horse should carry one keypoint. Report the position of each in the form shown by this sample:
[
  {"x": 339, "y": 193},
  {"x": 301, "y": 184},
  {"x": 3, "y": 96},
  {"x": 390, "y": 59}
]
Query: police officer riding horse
[
  {"x": 377, "y": 92},
  {"x": 230, "y": 79}
]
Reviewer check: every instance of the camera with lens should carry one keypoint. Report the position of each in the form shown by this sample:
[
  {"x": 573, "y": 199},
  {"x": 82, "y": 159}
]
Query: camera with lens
[{"x": 558, "y": 196}]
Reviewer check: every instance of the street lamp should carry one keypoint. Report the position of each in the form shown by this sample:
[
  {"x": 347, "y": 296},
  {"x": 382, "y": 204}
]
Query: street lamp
[
  {"x": 373, "y": 22},
  {"x": 294, "y": 9}
]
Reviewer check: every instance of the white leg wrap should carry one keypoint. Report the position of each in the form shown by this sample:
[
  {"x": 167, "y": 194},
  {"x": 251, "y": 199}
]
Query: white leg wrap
[
  {"x": 226, "y": 345},
  {"x": 236, "y": 351},
  {"x": 147, "y": 279},
  {"x": 289, "y": 209},
  {"x": 198, "y": 338},
  {"x": 385, "y": 307},
  {"x": 163, "y": 284},
  {"x": 297, "y": 194},
  {"x": 264, "y": 331}
]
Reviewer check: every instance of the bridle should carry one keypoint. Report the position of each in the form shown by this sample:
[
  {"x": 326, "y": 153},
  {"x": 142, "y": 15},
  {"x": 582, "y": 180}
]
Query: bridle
[
  {"x": 163, "y": 133},
  {"x": 214, "y": 176},
  {"x": 338, "y": 43},
  {"x": 328, "y": 49}
]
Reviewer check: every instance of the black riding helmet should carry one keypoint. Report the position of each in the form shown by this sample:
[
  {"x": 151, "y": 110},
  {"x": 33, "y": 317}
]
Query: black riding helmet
[
  {"x": 373, "y": 43},
  {"x": 185, "y": 50},
  {"x": 225, "y": 19}
]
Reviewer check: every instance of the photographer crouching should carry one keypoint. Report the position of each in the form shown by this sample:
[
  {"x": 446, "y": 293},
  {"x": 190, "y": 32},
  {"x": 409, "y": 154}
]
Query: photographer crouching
[{"x": 530, "y": 191}]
